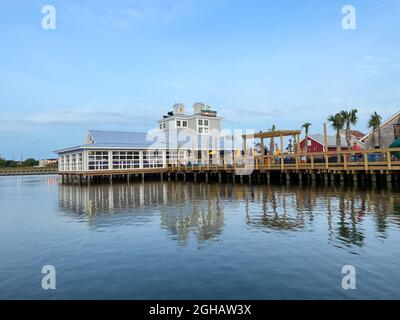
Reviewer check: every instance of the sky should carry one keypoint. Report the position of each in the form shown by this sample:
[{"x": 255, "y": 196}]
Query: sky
[{"x": 121, "y": 65}]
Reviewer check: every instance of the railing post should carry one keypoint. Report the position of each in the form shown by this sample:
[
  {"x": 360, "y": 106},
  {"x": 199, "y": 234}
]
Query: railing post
[
  {"x": 366, "y": 161},
  {"x": 345, "y": 161},
  {"x": 297, "y": 161},
  {"x": 312, "y": 161},
  {"x": 389, "y": 160},
  {"x": 326, "y": 161}
]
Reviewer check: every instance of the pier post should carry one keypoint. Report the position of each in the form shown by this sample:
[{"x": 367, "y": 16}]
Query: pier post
[
  {"x": 268, "y": 178},
  {"x": 111, "y": 178},
  {"x": 233, "y": 178},
  {"x": 184, "y": 177},
  {"x": 287, "y": 178},
  {"x": 355, "y": 178},
  {"x": 128, "y": 178},
  {"x": 176, "y": 176},
  {"x": 313, "y": 178},
  {"x": 300, "y": 178},
  {"x": 142, "y": 177},
  {"x": 219, "y": 177},
  {"x": 341, "y": 178},
  {"x": 206, "y": 177},
  {"x": 259, "y": 178},
  {"x": 195, "y": 177},
  {"x": 161, "y": 176},
  {"x": 326, "y": 179},
  {"x": 169, "y": 176},
  {"x": 388, "y": 178},
  {"x": 373, "y": 178},
  {"x": 250, "y": 178},
  {"x": 241, "y": 179}
]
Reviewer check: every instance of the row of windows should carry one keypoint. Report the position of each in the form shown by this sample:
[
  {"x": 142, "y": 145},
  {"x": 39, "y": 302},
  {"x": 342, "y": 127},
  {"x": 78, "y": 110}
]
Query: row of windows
[
  {"x": 118, "y": 160},
  {"x": 71, "y": 162},
  {"x": 183, "y": 124}
]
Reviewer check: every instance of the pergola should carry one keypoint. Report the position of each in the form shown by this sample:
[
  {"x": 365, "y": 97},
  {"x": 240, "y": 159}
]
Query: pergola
[{"x": 272, "y": 134}]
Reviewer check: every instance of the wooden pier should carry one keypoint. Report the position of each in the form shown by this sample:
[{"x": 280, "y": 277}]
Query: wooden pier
[
  {"x": 361, "y": 166},
  {"x": 27, "y": 171}
]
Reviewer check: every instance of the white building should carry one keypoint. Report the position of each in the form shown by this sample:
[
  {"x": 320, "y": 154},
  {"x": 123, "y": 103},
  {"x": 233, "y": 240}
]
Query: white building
[{"x": 179, "y": 140}]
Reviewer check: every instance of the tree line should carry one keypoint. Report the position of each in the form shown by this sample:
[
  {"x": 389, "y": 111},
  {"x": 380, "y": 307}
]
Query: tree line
[{"x": 13, "y": 164}]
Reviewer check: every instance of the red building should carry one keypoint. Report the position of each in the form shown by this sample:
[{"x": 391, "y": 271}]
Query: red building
[{"x": 315, "y": 143}]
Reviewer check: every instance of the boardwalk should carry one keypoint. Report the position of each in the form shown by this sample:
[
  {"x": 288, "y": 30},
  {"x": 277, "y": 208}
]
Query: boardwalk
[
  {"x": 27, "y": 171},
  {"x": 363, "y": 164}
]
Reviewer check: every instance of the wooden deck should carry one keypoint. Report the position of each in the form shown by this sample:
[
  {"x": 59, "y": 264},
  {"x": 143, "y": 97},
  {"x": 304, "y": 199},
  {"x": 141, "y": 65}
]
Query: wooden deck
[
  {"x": 27, "y": 171},
  {"x": 384, "y": 161}
]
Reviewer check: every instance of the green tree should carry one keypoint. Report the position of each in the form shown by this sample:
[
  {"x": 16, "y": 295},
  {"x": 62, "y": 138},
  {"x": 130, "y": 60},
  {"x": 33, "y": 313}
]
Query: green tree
[
  {"x": 306, "y": 126},
  {"x": 337, "y": 123},
  {"x": 374, "y": 123},
  {"x": 350, "y": 118},
  {"x": 30, "y": 163}
]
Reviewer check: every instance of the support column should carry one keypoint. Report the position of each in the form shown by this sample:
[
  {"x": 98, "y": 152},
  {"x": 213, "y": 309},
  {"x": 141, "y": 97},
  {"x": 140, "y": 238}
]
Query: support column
[
  {"x": 332, "y": 178},
  {"x": 313, "y": 178},
  {"x": 300, "y": 178},
  {"x": 373, "y": 178},
  {"x": 326, "y": 179},
  {"x": 341, "y": 178},
  {"x": 142, "y": 177},
  {"x": 241, "y": 179},
  {"x": 355, "y": 178},
  {"x": 206, "y": 177},
  {"x": 195, "y": 177},
  {"x": 388, "y": 178},
  {"x": 268, "y": 178},
  {"x": 219, "y": 177}
]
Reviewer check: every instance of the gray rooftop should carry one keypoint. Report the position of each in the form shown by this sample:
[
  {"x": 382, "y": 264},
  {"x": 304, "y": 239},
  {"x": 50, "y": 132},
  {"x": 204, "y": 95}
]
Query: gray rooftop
[{"x": 331, "y": 140}]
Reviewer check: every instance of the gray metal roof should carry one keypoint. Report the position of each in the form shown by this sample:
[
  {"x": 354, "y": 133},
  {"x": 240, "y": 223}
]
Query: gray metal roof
[
  {"x": 331, "y": 140},
  {"x": 119, "y": 137},
  {"x": 140, "y": 140}
]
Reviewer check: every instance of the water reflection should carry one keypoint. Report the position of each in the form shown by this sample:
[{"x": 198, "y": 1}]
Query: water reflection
[{"x": 343, "y": 216}]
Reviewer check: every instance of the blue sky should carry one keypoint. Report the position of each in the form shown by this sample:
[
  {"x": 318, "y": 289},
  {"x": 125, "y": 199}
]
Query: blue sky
[{"x": 120, "y": 65}]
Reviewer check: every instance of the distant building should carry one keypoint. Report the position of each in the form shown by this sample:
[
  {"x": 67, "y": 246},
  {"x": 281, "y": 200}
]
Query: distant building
[
  {"x": 390, "y": 131},
  {"x": 112, "y": 150},
  {"x": 48, "y": 162},
  {"x": 315, "y": 143}
]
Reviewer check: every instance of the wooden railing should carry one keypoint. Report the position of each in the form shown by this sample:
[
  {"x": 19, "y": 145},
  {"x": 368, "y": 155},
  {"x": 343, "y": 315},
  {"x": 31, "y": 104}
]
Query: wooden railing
[
  {"x": 27, "y": 171},
  {"x": 360, "y": 160}
]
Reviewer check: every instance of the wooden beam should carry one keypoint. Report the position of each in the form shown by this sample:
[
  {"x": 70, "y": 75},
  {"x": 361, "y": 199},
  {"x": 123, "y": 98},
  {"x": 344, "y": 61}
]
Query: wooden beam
[{"x": 282, "y": 159}]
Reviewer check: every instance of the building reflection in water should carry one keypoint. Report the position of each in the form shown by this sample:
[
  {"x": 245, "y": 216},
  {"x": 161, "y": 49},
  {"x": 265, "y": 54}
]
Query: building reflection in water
[{"x": 198, "y": 209}]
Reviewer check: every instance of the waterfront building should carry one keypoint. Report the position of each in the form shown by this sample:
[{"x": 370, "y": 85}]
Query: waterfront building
[
  {"x": 389, "y": 130},
  {"x": 179, "y": 139},
  {"x": 315, "y": 143}
]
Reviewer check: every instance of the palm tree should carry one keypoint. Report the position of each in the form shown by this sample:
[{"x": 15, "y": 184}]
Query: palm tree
[
  {"x": 272, "y": 142},
  {"x": 350, "y": 118},
  {"x": 337, "y": 123},
  {"x": 375, "y": 124},
  {"x": 306, "y": 126}
]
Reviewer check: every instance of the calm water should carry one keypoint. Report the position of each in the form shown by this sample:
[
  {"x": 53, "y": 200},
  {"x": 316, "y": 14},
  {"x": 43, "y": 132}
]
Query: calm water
[{"x": 196, "y": 241}]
